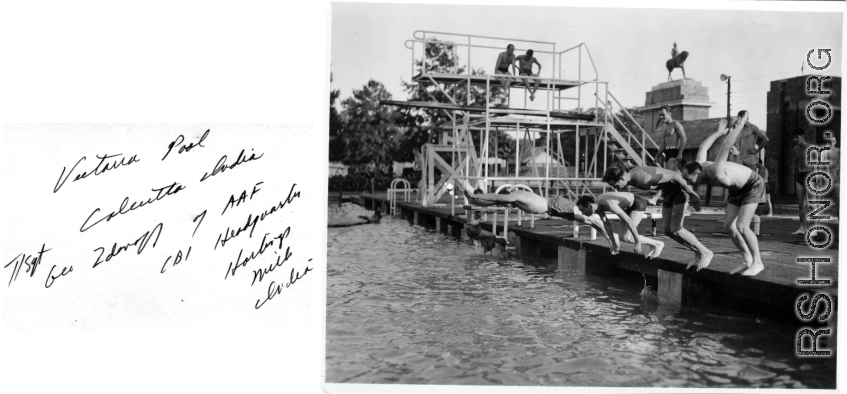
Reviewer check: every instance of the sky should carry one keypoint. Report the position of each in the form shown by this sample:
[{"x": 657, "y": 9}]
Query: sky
[{"x": 629, "y": 46}]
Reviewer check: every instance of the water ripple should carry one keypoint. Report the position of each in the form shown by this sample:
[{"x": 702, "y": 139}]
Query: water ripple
[{"x": 414, "y": 307}]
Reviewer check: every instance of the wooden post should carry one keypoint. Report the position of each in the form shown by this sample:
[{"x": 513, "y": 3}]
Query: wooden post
[
  {"x": 670, "y": 287},
  {"x": 515, "y": 241},
  {"x": 416, "y": 218},
  {"x": 571, "y": 259}
]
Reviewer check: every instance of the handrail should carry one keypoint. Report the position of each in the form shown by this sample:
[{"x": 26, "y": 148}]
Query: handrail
[
  {"x": 646, "y": 135},
  {"x": 615, "y": 117},
  {"x": 597, "y": 75},
  {"x": 608, "y": 110},
  {"x": 415, "y": 35},
  {"x": 528, "y": 178},
  {"x": 590, "y": 58},
  {"x": 473, "y": 45}
]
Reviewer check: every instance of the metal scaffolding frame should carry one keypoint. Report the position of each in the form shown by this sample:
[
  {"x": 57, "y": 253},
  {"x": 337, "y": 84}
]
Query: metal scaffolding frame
[{"x": 469, "y": 165}]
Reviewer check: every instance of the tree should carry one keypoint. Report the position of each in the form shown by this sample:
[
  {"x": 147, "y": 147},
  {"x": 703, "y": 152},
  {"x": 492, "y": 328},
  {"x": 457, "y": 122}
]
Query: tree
[
  {"x": 420, "y": 125},
  {"x": 370, "y": 130},
  {"x": 336, "y": 126}
]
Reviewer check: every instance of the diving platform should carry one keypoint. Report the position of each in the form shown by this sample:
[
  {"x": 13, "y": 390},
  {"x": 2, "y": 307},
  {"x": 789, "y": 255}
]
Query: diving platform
[
  {"x": 493, "y": 80},
  {"x": 570, "y": 115}
]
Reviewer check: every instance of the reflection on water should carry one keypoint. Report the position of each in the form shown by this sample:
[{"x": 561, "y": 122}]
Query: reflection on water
[{"x": 409, "y": 306}]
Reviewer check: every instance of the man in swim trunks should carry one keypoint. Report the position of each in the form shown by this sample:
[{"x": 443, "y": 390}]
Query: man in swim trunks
[
  {"x": 630, "y": 209},
  {"x": 504, "y": 61},
  {"x": 370, "y": 173},
  {"x": 745, "y": 189},
  {"x": 525, "y": 63},
  {"x": 677, "y": 195},
  {"x": 673, "y": 140},
  {"x": 535, "y": 204},
  {"x": 802, "y": 169}
]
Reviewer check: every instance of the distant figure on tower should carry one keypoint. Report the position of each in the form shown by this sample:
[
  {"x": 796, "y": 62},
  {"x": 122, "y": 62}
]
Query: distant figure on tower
[
  {"x": 677, "y": 60},
  {"x": 504, "y": 60},
  {"x": 525, "y": 65}
]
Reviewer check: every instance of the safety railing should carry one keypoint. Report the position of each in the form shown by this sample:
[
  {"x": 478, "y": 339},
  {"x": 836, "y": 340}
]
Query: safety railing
[
  {"x": 555, "y": 72},
  {"x": 644, "y": 137}
]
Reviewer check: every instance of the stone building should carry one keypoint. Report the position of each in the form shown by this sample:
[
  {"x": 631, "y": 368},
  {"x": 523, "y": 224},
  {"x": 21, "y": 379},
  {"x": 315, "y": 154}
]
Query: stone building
[{"x": 788, "y": 102}]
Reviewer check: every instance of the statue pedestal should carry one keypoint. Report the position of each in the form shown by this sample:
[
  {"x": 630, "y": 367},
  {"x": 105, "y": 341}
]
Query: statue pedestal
[{"x": 688, "y": 99}]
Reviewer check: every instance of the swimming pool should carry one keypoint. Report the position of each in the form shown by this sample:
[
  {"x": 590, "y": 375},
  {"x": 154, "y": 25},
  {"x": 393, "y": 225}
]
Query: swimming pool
[{"x": 409, "y": 306}]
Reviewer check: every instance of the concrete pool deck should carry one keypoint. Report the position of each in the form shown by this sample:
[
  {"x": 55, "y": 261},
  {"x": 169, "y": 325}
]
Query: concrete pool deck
[{"x": 776, "y": 286}]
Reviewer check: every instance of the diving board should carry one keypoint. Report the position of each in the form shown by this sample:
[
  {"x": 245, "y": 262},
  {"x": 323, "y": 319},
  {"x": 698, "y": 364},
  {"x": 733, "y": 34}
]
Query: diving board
[
  {"x": 481, "y": 80},
  {"x": 496, "y": 111}
]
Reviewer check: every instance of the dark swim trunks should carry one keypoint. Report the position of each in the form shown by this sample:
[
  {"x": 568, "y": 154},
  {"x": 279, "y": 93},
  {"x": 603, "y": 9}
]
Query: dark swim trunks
[
  {"x": 504, "y": 70},
  {"x": 561, "y": 207},
  {"x": 671, "y": 153},
  {"x": 526, "y": 72},
  {"x": 639, "y": 204},
  {"x": 801, "y": 176},
  {"x": 673, "y": 195},
  {"x": 751, "y": 193}
]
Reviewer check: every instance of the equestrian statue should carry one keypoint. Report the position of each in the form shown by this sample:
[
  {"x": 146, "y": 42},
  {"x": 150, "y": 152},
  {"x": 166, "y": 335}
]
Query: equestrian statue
[{"x": 676, "y": 60}]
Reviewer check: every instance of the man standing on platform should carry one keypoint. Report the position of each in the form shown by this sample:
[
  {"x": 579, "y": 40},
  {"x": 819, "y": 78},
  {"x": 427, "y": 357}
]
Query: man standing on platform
[
  {"x": 802, "y": 169},
  {"x": 750, "y": 143},
  {"x": 370, "y": 173},
  {"x": 504, "y": 61},
  {"x": 674, "y": 140},
  {"x": 525, "y": 64}
]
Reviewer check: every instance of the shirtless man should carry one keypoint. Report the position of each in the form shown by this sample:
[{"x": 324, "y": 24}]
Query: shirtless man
[
  {"x": 504, "y": 60},
  {"x": 630, "y": 209},
  {"x": 802, "y": 169},
  {"x": 745, "y": 188},
  {"x": 553, "y": 206},
  {"x": 677, "y": 194},
  {"x": 525, "y": 64},
  {"x": 370, "y": 173},
  {"x": 673, "y": 140}
]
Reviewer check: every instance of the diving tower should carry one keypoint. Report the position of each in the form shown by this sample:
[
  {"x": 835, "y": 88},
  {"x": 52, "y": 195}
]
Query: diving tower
[{"x": 567, "y": 102}]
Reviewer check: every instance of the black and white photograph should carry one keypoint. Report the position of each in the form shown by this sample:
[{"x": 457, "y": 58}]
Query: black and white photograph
[
  {"x": 501, "y": 196},
  {"x": 566, "y": 196}
]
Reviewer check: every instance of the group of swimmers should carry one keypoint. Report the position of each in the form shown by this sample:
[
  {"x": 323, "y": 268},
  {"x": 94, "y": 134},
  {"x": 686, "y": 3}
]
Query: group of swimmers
[
  {"x": 506, "y": 62},
  {"x": 745, "y": 189}
]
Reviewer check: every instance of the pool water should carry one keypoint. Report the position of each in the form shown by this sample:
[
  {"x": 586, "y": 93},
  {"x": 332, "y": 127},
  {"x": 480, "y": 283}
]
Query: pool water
[{"x": 411, "y": 306}]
